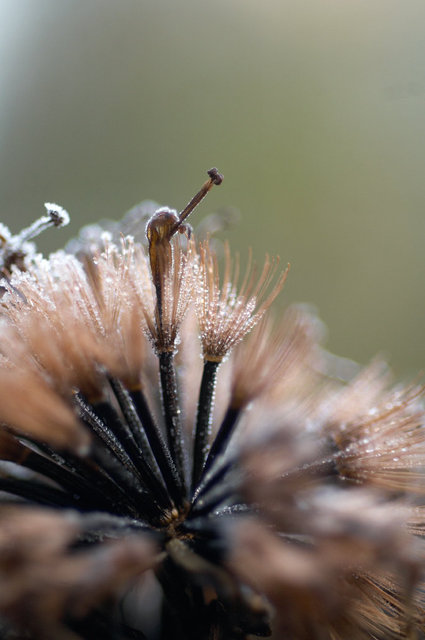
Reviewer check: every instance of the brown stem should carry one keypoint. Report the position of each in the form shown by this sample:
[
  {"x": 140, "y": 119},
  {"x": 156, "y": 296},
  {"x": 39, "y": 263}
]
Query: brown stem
[{"x": 214, "y": 178}]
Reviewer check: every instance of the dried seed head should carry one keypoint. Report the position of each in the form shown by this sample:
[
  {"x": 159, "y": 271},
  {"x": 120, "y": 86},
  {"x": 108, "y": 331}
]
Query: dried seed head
[
  {"x": 43, "y": 579},
  {"x": 170, "y": 271},
  {"x": 384, "y": 447},
  {"x": 121, "y": 348},
  {"x": 31, "y": 407},
  {"x": 308, "y": 496},
  {"x": 225, "y": 313},
  {"x": 318, "y": 581},
  {"x": 15, "y": 249},
  {"x": 67, "y": 321},
  {"x": 166, "y": 222},
  {"x": 164, "y": 306},
  {"x": 273, "y": 358}
]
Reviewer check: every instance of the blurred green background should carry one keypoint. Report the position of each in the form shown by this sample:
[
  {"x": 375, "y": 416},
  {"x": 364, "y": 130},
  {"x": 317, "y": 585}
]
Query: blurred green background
[{"x": 313, "y": 110}]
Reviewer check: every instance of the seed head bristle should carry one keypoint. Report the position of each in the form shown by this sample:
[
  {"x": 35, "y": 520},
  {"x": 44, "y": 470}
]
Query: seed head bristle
[
  {"x": 121, "y": 347},
  {"x": 272, "y": 358},
  {"x": 68, "y": 321},
  {"x": 16, "y": 251},
  {"x": 385, "y": 449},
  {"x": 42, "y": 413},
  {"x": 226, "y": 314}
]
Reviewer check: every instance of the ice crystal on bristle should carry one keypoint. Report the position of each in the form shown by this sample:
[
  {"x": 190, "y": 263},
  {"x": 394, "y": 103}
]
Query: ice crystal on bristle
[
  {"x": 275, "y": 498},
  {"x": 17, "y": 250},
  {"x": 67, "y": 320},
  {"x": 276, "y": 352},
  {"x": 227, "y": 313}
]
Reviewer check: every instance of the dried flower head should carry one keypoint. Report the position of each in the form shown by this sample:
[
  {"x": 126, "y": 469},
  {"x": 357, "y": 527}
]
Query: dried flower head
[{"x": 292, "y": 506}]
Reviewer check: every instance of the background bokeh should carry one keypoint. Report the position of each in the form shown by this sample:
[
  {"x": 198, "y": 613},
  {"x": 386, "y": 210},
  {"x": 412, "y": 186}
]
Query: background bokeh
[{"x": 313, "y": 110}]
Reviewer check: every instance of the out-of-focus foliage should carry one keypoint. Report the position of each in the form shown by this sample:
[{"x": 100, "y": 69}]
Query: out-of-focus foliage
[{"x": 313, "y": 110}]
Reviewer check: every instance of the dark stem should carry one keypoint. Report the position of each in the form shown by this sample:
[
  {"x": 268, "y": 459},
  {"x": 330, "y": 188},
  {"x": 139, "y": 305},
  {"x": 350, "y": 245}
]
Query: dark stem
[
  {"x": 134, "y": 422},
  {"x": 214, "y": 178},
  {"x": 183, "y": 614},
  {"x": 95, "y": 476},
  {"x": 214, "y": 475},
  {"x": 67, "y": 479},
  {"x": 222, "y": 437},
  {"x": 110, "y": 418},
  {"x": 106, "y": 435},
  {"x": 39, "y": 493},
  {"x": 111, "y": 523},
  {"x": 141, "y": 501},
  {"x": 172, "y": 414},
  {"x": 203, "y": 420},
  {"x": 103, "y": 623},
  {"x": 118, "y": 465},
  {"x": 145, "y": 474},
  {"x": 159, "y": 447},
  {"x": 194, "y": 613},
  {"x": 220, "y": 485},
  {"x": 213, "y": 499}
]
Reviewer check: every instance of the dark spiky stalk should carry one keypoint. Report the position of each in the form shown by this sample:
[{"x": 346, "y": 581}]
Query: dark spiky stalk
[
  {"x": 119, "y": 466},
  {"x": 158, "y": 445},
  {"x": 69, "y": 480},
  {"x": 204, "y": 419},
  {"x": 95, "y": 475},
  {"x": 161, "y": 228},
  {"x": 105, "y": 432},
  {"x": 134, "y": 423},
  {"x": 214, "y": 476},
  {"x": 172, "y": 414},
  {"x": 39, "y": 493},
  {"x": 143, "y": 470},
  {"x": 223, "y": 436}
]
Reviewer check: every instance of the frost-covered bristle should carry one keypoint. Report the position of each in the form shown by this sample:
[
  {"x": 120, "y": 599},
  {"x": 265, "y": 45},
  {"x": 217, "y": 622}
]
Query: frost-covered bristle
[
  {"x": 42, "y": 414},
  {"x": 384, "y": 447},
  {"x": 270, "y": 360},
  {"x": 5, "y": 235},
  {"x": 57, "y": 214},
  {"x": 56, "y": 217},
  {"x": 228, "y": 312},
  {"x": 118, "y": 278},
  {"x": 16, "y": 251},
  {"x": 67, "y": 321}
]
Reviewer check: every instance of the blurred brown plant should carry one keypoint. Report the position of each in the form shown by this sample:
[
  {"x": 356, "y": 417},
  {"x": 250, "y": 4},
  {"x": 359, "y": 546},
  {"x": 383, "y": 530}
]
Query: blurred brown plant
[{"x": 285, "y": 501}]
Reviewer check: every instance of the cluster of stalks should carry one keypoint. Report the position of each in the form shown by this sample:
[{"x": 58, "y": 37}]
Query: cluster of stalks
[{"x": 149, "y": 493}]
